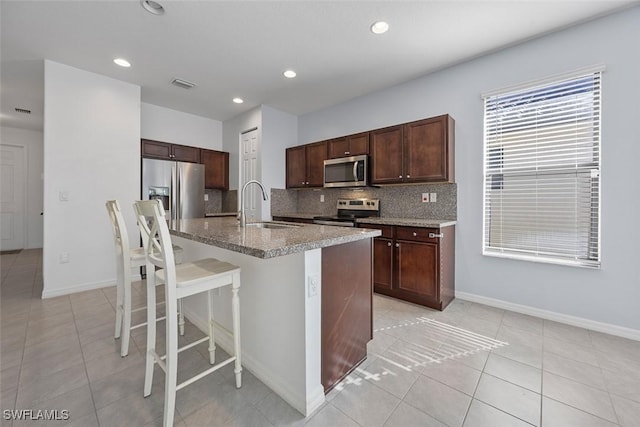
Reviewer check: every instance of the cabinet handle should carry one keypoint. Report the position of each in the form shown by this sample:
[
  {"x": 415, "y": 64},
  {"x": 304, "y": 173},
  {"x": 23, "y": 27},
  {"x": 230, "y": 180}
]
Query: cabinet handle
[
  {"x": 346, "y": 152},
  {"x": 433, "y": 235},
  {"x": 397, "y": 245},
  {"x": 302, "y": 182},
  {"x": 389, "y": 244},
  {"x": 415, "y": 234},
  {"x": 400, "y": 176},
  {"x": 408, "y": 176},
  {"x": 307, "y": 182}
]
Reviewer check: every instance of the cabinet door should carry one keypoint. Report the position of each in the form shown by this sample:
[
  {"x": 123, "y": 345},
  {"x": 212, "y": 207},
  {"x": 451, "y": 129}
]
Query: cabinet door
[
  {"x": 296, "y": 167},
  {"x": 184, "y": 153},
  {"x": 358, "y": 144},
  {"x": 383, "y": 264},
  {"x": 155, "y": 149},
  {"x": 417, "y": 268},
  {"x": 386, "y": 155},
  {"x": 426, "y": 150},
  {"x": 316, "y": 155},
  {"x": 338, "y": 147},
  {"x": 216, "y": 169}
]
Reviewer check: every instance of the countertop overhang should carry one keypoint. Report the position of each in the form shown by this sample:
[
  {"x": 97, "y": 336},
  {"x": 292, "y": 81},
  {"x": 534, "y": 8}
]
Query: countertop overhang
[{"x": 225, "y": 233}]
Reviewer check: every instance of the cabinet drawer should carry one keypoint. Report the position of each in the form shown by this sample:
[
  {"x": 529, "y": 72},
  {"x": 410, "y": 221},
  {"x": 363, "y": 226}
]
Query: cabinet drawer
[
  {"x": 387, "y": 230},
  {"x": 418, "y": 234}
]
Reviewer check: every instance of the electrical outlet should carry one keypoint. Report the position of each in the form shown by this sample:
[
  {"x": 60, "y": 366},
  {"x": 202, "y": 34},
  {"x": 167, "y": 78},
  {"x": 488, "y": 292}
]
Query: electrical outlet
[
  {"x": 63, "y": 196},
  {"x": 313, "y": 285},
  {"x": 425, "y": 197},
  {"x": 322, "y": 197},
  {"x": 64, "y": 257},
  {"x": 206, "y": 197},
  {"x": 433, "y": 197}
]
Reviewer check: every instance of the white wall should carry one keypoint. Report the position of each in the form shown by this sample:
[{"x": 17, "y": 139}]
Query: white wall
[
  {"x": 231, "y": 130},
  {"x": 31, "y": 140},
  {"x": 163, "y": 124},
  {"x": 91, "y": 151},
  {"x": 610, "y": 295},
  {"x": 279, "y": 130}
]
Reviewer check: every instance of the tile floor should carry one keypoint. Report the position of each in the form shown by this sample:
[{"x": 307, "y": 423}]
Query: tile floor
[{"x": 470, "y": 365}]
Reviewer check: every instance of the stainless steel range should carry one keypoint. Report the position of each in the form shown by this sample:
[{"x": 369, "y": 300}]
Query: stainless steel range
[{"x": 349, "y": 210}]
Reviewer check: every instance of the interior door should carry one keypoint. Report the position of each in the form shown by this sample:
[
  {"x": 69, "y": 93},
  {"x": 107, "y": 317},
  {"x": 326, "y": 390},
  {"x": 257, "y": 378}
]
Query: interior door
[
  {"x": 12, "y": 197},
  {"x": 253, "y": 196}
]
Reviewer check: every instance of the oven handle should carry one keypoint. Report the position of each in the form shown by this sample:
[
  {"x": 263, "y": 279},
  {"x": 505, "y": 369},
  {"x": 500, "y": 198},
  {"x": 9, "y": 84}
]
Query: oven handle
[{"x": 334, "y": 223}]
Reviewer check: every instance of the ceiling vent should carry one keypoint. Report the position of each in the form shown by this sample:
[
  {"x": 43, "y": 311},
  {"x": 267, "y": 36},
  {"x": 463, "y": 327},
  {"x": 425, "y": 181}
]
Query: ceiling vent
[
  {"x": 22, "y": 110},
  {"x": 182, "y": 83}
]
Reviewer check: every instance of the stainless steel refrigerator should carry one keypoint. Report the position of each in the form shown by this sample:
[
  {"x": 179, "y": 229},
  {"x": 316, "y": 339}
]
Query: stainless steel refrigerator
[{"x": 179, "y": 185}]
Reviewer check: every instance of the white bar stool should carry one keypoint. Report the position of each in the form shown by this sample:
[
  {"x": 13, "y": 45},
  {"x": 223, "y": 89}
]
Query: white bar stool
[
  {"x": 127, "y": 259},
  {"x": 182, "y": 281}
]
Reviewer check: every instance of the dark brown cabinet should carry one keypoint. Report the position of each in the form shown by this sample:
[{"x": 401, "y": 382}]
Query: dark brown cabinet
[
  {"x": 415, "y": 264},
  {"x": 167, "y": 151},
  {"x": 305, "y": 165},
  {"x": 347, "y": 315},
  {"x": 420, "y": 151},
  {"x": 352, "y": 145},
  {"x": 216, "y": 169}
]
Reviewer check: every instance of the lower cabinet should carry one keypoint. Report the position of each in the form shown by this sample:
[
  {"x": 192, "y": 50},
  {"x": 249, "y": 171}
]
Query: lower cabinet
[
  {"x": 415, "y": 264},
  {"x": 347, "y": 313}
]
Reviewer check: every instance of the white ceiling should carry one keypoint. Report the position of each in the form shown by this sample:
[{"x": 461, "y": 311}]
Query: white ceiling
[{"x": 241, "y": 48}]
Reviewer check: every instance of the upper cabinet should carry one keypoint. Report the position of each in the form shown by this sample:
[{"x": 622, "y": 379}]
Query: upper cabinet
[
  {"x": 305, "y": 165},
  {"x": 352, "y": 145},
  {"x": 166, "y": 151},
  {"x": 420, "y": 151},
  {"x": 216, "y": 169}
]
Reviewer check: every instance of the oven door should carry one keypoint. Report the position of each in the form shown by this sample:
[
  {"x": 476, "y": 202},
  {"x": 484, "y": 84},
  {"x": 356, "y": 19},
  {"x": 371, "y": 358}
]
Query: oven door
[{"x": 346, "y": 172}]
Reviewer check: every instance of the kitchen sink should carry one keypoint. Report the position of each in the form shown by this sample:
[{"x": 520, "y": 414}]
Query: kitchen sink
[{"x": 272, "y": 225}]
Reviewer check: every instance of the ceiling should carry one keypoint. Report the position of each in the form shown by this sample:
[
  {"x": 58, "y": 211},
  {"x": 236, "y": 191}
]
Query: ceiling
[{"x": 241, "y": 48}]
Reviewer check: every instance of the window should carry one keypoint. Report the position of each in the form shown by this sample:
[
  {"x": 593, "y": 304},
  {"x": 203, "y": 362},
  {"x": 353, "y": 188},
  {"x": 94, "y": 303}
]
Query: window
[{"x": 542, "y": 171}]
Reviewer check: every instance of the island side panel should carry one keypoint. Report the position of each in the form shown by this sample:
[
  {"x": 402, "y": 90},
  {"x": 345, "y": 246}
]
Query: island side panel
[
  {"x": 280, "y": 324},
  {"x": 347, "y": 293}
]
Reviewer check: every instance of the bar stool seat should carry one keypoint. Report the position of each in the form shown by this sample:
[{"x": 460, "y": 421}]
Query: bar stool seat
[{"x": 180, "y": 281}]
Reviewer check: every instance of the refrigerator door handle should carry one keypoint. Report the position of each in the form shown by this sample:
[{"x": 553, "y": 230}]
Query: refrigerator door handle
[{"x": 174, "y": 193}]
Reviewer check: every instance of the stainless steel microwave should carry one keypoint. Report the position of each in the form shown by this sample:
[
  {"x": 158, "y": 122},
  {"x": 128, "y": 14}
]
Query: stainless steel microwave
[{"x": 346, "y": 171}]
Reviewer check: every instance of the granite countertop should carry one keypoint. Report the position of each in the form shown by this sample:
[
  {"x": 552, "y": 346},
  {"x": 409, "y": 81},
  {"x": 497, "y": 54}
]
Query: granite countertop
[
  {"x": 225, "y": 233},
  {"x": 411, "y": 222}
]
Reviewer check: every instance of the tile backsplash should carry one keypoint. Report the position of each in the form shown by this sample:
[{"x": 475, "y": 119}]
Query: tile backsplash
[
  {"x": 221, "y": 201},
  {"x": 402, "y": 201}
]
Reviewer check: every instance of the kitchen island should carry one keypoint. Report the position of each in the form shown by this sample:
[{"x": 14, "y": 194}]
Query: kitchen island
[{"x": 305, "y": 300}]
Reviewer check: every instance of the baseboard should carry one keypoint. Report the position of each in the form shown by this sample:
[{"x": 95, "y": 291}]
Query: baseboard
[
  {"x": 84, "y": 287},
  {"x": 607, "y": 328},
  {"x": 224, "y": 340}
]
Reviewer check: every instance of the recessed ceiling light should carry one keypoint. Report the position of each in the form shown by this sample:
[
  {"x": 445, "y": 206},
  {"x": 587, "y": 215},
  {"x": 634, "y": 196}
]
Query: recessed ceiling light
[
  {"x": 238, "y": 100},
  {"x": 152, "y": 7},
  {"x": 379, "y": 27},
  {"x": 289, "y": 74},
  {"x": 122, "y": 62}
]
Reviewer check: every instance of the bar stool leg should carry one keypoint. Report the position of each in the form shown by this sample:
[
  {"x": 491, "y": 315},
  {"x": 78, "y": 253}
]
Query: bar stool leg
[
  {"x": 180, "y": 317},
  {"x": 126, "y": 326},
  {"x": 119, "y": 298},
  {"x": 212, "y": 341},
  {"x": 171, "y": 362},
  {"x": 151, "y": 330},
  {"x": 235, "y": 308}
]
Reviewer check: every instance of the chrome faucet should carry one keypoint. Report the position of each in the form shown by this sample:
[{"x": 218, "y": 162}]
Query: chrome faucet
[{"x": 241, "y": 215}]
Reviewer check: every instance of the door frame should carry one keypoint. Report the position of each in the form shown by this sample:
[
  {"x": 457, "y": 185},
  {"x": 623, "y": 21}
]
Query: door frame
[{"x": 25, "y": 192}]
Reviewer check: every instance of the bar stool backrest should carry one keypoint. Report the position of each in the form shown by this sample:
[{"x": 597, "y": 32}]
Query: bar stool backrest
[
  {"x": 121, "y": 239},
  {"x": 156, "y": 237}
]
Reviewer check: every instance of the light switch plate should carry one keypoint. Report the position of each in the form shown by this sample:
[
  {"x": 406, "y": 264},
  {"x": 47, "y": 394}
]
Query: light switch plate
[
  {"x": 313, "y": 283},
  {"x": 206, "y": 197},
  {"x": 433, "y": 197},
  {"x": 322, "y": 197}
]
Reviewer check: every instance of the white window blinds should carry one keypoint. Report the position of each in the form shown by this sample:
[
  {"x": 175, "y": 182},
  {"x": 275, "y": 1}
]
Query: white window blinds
[{"x": 542, "y": 172}]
